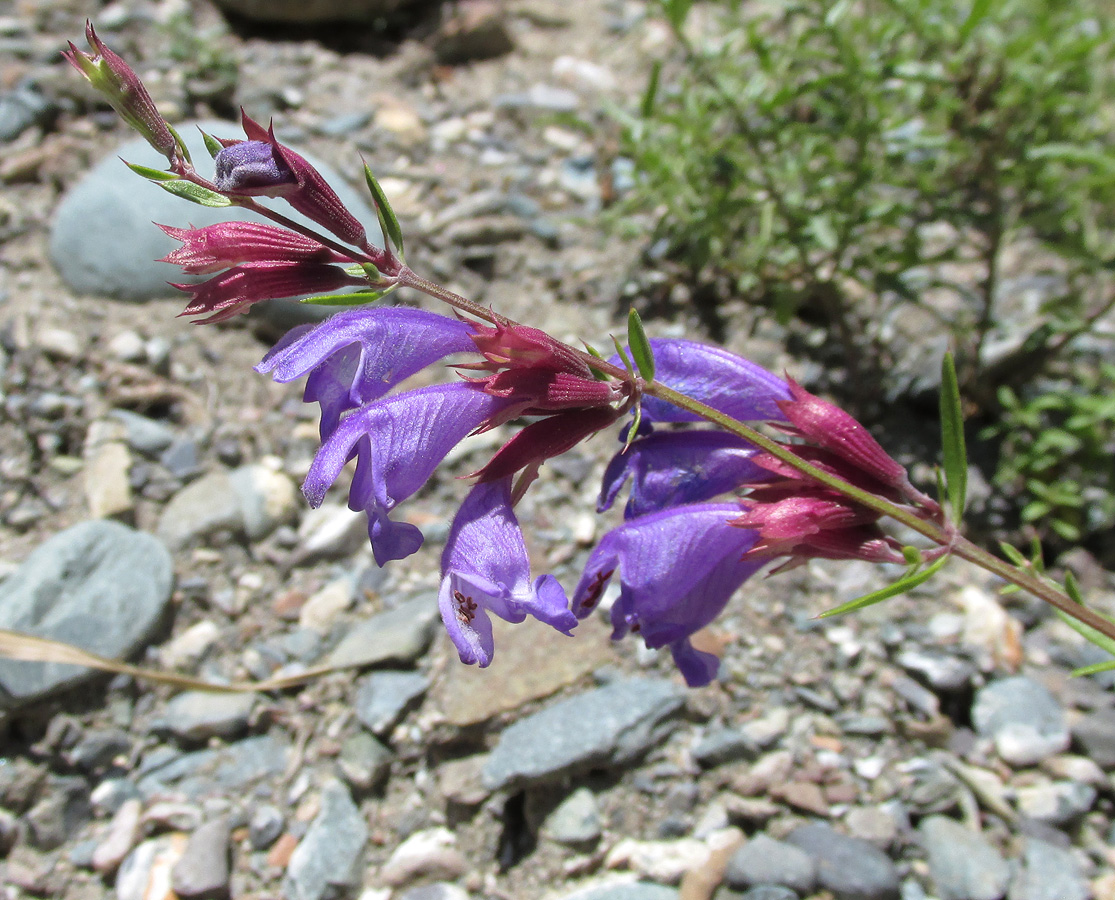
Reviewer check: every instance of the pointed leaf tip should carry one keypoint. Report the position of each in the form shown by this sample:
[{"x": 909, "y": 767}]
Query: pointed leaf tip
[
  {"x": 388, "y": 222},
  {"x": 954, "y": 454},
  {"x": 641, "y": 350}
]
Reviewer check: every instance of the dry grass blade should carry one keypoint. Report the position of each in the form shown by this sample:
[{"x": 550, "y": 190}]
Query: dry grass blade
[{"x": 29, "y": 648}]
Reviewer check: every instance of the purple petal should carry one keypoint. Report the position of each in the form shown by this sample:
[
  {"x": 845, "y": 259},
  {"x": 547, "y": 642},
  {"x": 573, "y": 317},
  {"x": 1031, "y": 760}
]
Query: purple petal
[
  {"x": 359, "y": 355},
  {"x": 485, "y": 568},
  {"x": 672, "y": 468},
  {"x": 398, "y": 442},
  {"x": 678, "y": 568},
  {"x": 696, "y": 666},
  {"x": 724, "y": 381}
]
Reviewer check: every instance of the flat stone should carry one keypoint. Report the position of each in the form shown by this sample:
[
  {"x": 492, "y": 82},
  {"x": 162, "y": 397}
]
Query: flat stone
[
  {"x": 268, "y": 498},
  {"x": 431, "y": 853},
  {"x": 101, "y": 586},
  {"x": 531, "y": 661},
  {"x": 1023, "y": 718},
  {"x": 963, "y": 865},
  {"x": 364, "y": 762},
  {"x": 612, "y": 725},
  {"x": 216, "y": 771},
  {"x": 1095, "y": 733},
  {"x": 202, "y": 872},
  {"x": 199, "y": 510},
  {"x": 852, "y": 869},
  {"x": 146, "y": 871},
  {"x": 1048, "y": 873},
  {"x": 196, "y": 716},
  {"x": 119, "y": 257},
  {"x": 576, "y": 820},
  {"x": 1058, "y": 803},
  {"x": 327, "y": 860},
  {"x": 383, "y": 698},
  {"x": 398, "y": 636},
  {"x": 763, "y": 860},
  {"x": 624, "y": 890}
]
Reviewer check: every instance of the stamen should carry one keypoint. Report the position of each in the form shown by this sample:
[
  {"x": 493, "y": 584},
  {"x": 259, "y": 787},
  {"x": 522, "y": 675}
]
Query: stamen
[{"x": 466, "y": 608}]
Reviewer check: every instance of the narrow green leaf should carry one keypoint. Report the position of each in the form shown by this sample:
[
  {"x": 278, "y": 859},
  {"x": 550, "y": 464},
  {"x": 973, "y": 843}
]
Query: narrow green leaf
[
  {"x": 952, "y": 439},
  {"x": 1086, "y": 631},
  {"x": 195, "y": 193},
  {"x": 387, "y": 219},
  {"x": 633, "y": 431},
  {"x": 1073, "y": 589},
  {"x": 212, "y": 144},
  {"x": 623, "y": 355},
  {"x": 357, "y": 298},
  {"x": 151, "y": 174},
  {"x": 979, "y": 11},
  {"x": 1094, "y": 668},
  {"x": 907, "y": 582},
  {"x": 646, "y": 108},
  {"x": 641, "y": 350},
  {"x": 677, "y": 11},
  {"x": 1014, "y": 555},
  {"x": 183, "y": 149}
]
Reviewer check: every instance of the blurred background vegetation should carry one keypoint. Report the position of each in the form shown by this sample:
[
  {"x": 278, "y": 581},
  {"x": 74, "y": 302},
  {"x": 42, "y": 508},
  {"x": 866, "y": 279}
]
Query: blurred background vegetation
[{"x": 906, "y": 177}]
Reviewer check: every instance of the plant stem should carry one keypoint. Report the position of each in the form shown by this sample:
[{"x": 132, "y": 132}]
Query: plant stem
[{"x": 944, "y": 533}]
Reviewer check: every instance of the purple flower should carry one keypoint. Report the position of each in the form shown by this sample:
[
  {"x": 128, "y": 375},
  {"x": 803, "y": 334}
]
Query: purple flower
[
  {"x": 722, "y": 380},
  {"x": 359, "y": 355},
  {"x": 485, "y": 569},
  {"x": 678, "y": 568},
  {"x": 671, "y": 468},
  {"x": 397, "y": 442}
]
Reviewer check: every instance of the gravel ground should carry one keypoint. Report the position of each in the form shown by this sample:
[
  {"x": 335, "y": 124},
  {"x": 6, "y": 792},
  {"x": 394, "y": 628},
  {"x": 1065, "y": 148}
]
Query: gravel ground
[{"x": 934, "y": 746}]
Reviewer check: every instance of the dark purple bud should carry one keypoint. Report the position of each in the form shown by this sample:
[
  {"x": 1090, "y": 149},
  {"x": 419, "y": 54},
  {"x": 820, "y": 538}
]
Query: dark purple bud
[{"x": 253, "y": 168}]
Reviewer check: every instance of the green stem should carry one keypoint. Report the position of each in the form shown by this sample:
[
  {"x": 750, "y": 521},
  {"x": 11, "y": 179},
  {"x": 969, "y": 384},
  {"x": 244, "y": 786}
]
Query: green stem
[{"x": 944, "y": 534}]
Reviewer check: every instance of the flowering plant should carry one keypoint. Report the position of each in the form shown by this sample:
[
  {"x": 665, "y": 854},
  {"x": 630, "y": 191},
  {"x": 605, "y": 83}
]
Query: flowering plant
[{"x": 707, "y": 508}]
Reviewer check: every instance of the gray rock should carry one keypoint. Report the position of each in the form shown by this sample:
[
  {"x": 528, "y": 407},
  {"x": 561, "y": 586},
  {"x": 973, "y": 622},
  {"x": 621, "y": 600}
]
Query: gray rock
[
  {"x": 199, "y": 510},
  {"x": 631, "y": 890},
  {"x": 1023, "y": 718},
  {"x": 1095, "y": 733},
  {"x": 268, "y": 499},
  {"x": 576, "y": 820},
  {"x": 265, "y": 826},
  {"x": 364, "y": 761},
  {"x": 963, "y": 865},
  {"x": 99, "y": 585},
  {"x": 764, "y": 860},
  {"x": 117, "y": 258},
  {"x": 210, "y": 772},
  {"x": 765, "y": 892},
  {"x": 939, "y": 670},
  {"x": 21, "y": 108},
  {"x": 202, "y": 872},
  {"x": 1049, "y": 873},
  {"x": 383, "y": 698},
  {"x": 724, "y": 746},
  {"x": 327, "y": 860},
  {"x": 611, "y": 725},
  {"x": 196, "y": 716},
  {"x": 250, "y": 501},
  {"x": 439, "y": 890},
  {"x": 1057, "y": 803},
  {"x": 144, "y": 435},
  {"x": 400, "y": 635},
  {"x": 851, "y": 868},
  {"x": 61, "y": 812}
]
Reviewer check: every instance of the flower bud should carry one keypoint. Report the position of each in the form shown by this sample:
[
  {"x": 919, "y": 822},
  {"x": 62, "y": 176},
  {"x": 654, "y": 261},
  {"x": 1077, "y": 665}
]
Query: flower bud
[
  {"x": 121, "y": 87},
  {"x": 253, "y": 168}
]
